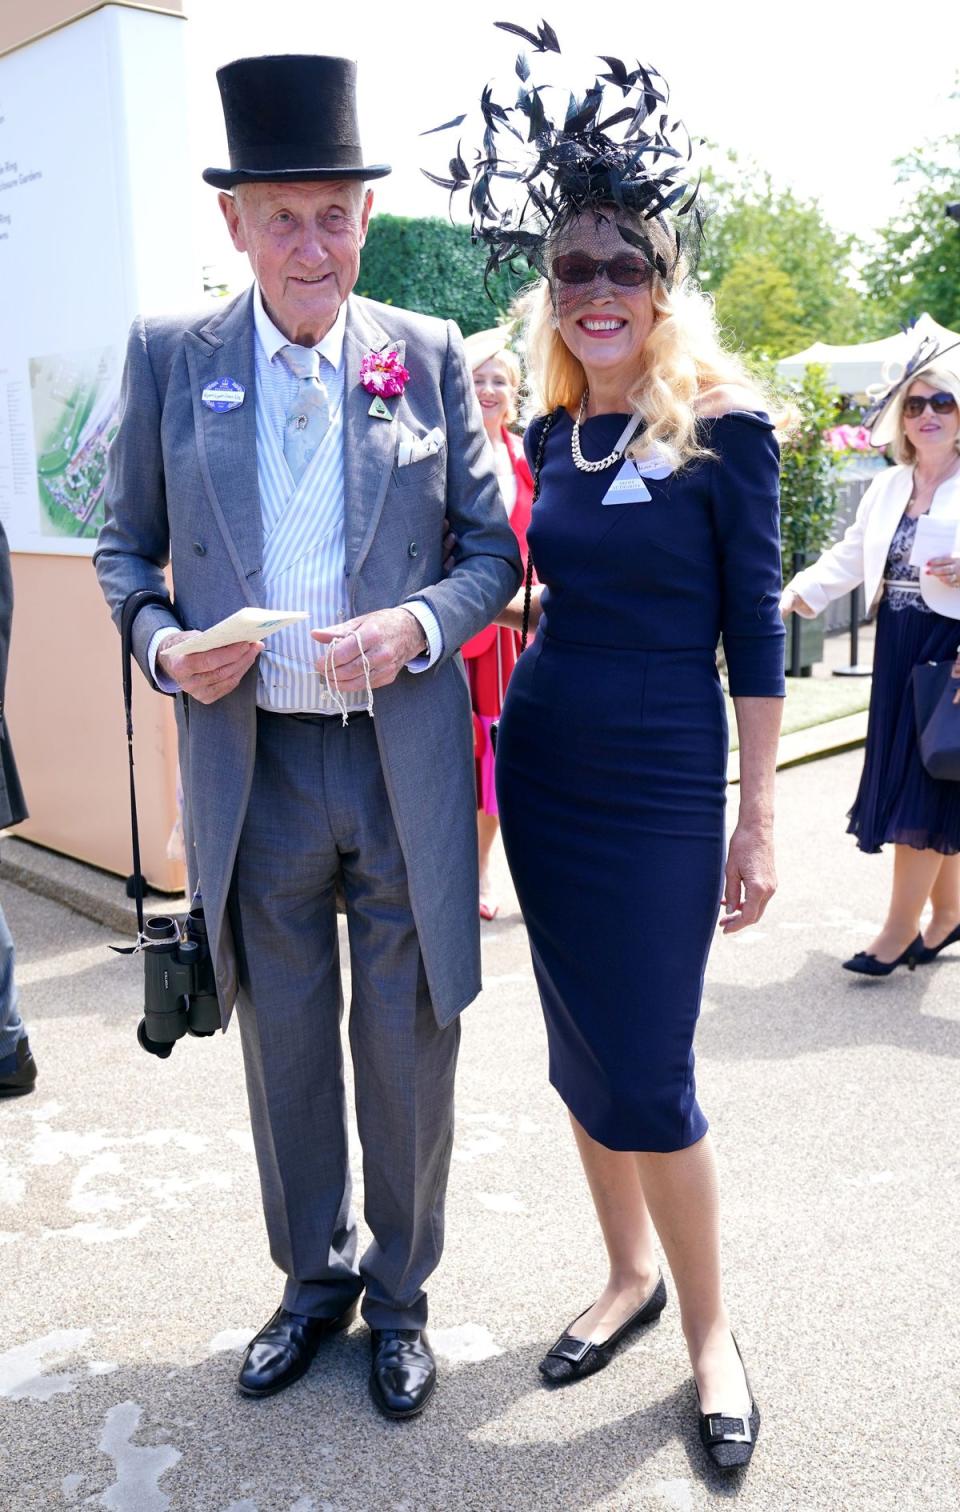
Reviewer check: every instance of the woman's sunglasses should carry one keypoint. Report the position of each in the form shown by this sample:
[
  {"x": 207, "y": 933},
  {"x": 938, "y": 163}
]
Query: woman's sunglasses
[
  {"x": 625, "y": 271},
  {"x": 941, "y": 404}
]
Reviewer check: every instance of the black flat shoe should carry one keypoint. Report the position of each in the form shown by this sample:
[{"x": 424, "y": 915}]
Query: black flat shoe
[
  {"x": 730, "y": 1441},
  {"x": 22, "y": 1078},
  {"x": 403, "y": 1372},
  {"x": 571, "y": 1358},
  {"x": 868, "y": 965},
  {"x": 283, "y": 1350},
  {"x": 930, "y": 952}
]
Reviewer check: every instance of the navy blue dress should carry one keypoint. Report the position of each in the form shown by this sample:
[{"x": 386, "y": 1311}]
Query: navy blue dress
[
  {"x": 898, "y": 802},
  {"x": 612, "y": 754}
]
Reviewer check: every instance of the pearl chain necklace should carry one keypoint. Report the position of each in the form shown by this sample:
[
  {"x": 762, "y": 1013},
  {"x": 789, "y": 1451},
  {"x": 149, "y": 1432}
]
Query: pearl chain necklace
[{"x": 579, "y": 461}]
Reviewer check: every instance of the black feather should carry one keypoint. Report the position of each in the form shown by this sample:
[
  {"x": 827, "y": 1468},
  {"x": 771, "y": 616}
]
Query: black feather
[
  {"x": 457, "y": 121},
  {"x": 579, "y": 115},
  {"x": 518, "y": 31},
  {"x": 626, "y": 114},
  {"x": 618, "y": 72},
  {"x": 442, "y": 182},
  {"x": 522, "y": 67},
  {"x": 548, "y": 38}
]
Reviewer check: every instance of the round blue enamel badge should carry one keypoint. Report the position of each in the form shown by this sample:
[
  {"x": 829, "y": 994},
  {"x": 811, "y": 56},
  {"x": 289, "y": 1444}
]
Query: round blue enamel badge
[{"x": 222, "y": 395}]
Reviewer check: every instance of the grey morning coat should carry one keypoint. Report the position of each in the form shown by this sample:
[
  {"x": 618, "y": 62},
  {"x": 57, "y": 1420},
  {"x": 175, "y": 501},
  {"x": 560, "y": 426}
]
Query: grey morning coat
[{"x": 182, "y": 487}]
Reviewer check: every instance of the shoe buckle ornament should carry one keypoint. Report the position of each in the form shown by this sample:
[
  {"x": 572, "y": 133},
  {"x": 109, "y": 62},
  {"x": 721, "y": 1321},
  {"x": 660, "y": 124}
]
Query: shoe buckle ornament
[
  {"x": 719, "y": 1434},
  {"x": 569, "y": 1348}
]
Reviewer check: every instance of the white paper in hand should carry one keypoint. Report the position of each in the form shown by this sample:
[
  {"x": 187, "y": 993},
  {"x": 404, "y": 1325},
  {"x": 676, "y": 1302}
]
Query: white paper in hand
[
  {"x": 934, "y": 538},
  {"x": 245, "y": 625}
]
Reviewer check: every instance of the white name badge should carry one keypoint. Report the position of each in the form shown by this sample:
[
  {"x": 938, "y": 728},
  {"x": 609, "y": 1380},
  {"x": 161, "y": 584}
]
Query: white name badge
[
  {"x": 627, "y": 487},
  {"x": 223, "y": 395},
  {"x": 655, "y": 463}
]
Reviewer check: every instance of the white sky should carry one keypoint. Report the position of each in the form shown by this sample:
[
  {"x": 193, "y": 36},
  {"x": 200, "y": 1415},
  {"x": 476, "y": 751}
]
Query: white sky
[{"x": 824, "y": 95}]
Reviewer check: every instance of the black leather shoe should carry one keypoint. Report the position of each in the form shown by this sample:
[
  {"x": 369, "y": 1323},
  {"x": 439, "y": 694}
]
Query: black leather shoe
[
  {"x": 868, "y": 965},
  {"x": 20, "y": 1080},
  {"x": 930, "y": 952},
  {"x": 730, "y": 1441},
  {"x": 571, "y": 1358},
  {"x": 403, "y": 1371},
  {"x": 283, "y": 1350}
]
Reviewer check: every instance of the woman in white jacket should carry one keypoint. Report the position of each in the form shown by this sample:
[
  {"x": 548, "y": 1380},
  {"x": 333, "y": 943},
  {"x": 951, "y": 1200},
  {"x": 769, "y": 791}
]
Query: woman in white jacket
[{"x": 918, "y": 621}]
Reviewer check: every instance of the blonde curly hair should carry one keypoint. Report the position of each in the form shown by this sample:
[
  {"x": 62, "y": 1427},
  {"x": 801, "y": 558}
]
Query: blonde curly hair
[{"x": 681, "y": 360}]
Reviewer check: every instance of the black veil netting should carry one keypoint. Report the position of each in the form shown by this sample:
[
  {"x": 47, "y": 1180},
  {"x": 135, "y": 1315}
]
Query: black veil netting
[{"x": 536, "y": 166}]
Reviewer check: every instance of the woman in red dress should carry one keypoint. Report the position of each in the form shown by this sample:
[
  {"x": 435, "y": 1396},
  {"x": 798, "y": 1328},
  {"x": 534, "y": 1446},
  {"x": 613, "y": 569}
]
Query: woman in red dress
[{"x": 491, "y": 655}]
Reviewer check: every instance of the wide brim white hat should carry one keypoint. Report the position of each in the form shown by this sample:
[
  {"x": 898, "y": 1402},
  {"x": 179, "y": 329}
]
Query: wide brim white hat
[{"x": 483, "y": 345}]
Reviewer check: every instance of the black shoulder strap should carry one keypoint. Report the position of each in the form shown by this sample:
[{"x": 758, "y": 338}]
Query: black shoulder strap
[
  {"x": 131, "y": 608},
  {"x": 537, "y": 466}
]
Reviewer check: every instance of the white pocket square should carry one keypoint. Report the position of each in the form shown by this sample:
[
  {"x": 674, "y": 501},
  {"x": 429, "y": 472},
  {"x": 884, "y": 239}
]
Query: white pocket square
[{"x": 414, "y": 448}]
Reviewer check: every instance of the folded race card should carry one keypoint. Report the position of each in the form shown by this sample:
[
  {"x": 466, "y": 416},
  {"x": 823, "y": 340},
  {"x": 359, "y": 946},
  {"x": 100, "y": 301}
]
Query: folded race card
[{"x": 245, "y": 625}]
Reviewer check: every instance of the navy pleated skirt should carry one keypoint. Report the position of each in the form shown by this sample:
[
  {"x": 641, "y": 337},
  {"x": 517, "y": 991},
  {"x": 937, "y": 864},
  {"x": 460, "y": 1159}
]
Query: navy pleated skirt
[
  {"x": 898, "y": 802},
  {"x": 611, "y": 779}
]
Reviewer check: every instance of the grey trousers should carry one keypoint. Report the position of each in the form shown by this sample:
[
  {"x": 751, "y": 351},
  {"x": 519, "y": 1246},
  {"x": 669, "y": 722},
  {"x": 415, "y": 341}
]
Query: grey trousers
[{"x": 319, "y": 810}]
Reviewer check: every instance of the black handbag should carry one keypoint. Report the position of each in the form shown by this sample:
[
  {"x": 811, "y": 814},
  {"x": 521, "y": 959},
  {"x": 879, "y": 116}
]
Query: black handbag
[{"x": 936, "y": 702}]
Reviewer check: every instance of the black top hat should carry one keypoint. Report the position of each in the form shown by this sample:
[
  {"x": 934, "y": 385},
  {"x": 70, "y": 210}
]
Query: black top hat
[{"x": 291, "y": 117}]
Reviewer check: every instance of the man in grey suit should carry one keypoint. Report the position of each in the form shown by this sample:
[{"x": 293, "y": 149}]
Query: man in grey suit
[{"x": 256, "y": 454}]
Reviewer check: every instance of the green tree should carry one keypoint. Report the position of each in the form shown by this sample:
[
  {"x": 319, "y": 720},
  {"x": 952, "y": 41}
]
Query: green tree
[
  {"x": 915, "y": 265},
  {"x": 759, "y": 306},
  {"x": 808, "y": 470},
  {"x": 432, "y": 266},
  {"x": 750, "y": 218}
]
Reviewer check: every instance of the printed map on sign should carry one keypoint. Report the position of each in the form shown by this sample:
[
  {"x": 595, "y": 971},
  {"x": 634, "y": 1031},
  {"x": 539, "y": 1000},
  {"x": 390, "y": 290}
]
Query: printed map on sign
[{"x": 75, "y": 398}]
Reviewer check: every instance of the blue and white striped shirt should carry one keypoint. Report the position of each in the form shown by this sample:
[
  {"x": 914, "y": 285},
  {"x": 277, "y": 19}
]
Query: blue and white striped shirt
[{"x": 304, "y": 564}]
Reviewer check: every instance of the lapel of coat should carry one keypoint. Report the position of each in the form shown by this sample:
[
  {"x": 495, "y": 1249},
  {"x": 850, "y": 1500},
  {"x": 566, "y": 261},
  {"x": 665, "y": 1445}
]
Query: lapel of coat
[
  {"x": 886, "y": 517},
  {"x": 227, "y": 442},
  {"x": 946, "y": 500},
  {"x": 369, "y": 444}
]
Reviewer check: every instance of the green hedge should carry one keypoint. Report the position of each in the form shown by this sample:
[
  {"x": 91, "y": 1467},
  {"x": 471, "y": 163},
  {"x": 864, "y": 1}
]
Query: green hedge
[{"x": 432, "y": 266}]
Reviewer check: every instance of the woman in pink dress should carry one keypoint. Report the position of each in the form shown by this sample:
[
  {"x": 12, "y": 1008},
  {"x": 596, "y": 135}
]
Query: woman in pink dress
[{"x": 491, "y": 655}]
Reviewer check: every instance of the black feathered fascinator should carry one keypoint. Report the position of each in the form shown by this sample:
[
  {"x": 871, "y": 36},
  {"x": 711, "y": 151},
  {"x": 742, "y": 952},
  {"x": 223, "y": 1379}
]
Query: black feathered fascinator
[
  {"x": 878, "y": 416},
  {"x": 611, "y": 143}
]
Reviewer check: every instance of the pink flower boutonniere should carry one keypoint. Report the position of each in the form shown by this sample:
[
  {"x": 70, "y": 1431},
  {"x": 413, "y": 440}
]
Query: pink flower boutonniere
[{"x": 383, "y": 374}]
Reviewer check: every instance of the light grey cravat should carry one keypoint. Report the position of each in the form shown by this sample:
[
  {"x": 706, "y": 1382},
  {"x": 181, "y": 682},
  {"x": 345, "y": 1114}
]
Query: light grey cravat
[{"x": 309, "y": 415}]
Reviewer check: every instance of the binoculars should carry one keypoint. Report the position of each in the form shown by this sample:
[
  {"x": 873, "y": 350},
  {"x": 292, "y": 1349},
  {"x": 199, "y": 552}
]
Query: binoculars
[{"x": 180, "y": 993}]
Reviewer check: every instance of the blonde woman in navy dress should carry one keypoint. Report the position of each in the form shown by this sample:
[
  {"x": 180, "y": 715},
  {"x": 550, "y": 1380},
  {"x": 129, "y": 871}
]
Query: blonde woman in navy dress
[{"x": 655, "y": 534}]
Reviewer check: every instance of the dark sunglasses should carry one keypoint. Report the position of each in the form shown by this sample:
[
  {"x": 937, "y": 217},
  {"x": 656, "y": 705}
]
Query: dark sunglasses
[
  {"x": 941, "y": 404},
  {"x": 625, "y": 271}
]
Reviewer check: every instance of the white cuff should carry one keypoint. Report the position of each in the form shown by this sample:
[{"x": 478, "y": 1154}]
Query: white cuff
[
  {"x": 164, "y": 683},
  {"x": 430, "y": 625},
  {"x": 811, "y": 592}
]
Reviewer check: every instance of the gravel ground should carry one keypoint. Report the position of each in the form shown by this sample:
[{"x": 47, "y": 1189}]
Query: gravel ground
[{"x": 136, "y": 1266}]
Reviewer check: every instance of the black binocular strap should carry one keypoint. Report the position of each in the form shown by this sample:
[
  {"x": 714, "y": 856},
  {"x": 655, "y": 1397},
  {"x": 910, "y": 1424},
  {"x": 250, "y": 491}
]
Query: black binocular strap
[{"x": 131, "y": 608}]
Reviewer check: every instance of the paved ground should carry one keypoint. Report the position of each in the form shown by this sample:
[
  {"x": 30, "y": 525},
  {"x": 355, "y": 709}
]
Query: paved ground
[{"x": 135, "y": 1263}]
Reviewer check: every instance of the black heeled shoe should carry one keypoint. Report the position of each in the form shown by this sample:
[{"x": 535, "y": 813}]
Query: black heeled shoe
[
  {"x": 869, "y": 965},
  {"x": 570, "y": 1359},
  {"x": 730, "y": 1441},
  {"x": 930, "y": 952}
]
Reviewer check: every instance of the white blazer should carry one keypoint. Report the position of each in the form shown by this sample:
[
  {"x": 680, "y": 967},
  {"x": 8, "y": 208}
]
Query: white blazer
[{"x": 861, "y": 556}]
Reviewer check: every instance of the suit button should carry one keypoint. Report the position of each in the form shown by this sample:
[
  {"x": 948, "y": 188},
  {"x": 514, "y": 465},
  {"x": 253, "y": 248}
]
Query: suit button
[
  {"x": 199, "y": 548},
  {"x": 413, "y": 549}
]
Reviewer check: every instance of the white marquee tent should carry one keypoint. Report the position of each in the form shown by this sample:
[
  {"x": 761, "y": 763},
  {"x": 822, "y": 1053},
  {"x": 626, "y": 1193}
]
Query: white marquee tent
[{"x": 853, "y": 369}]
